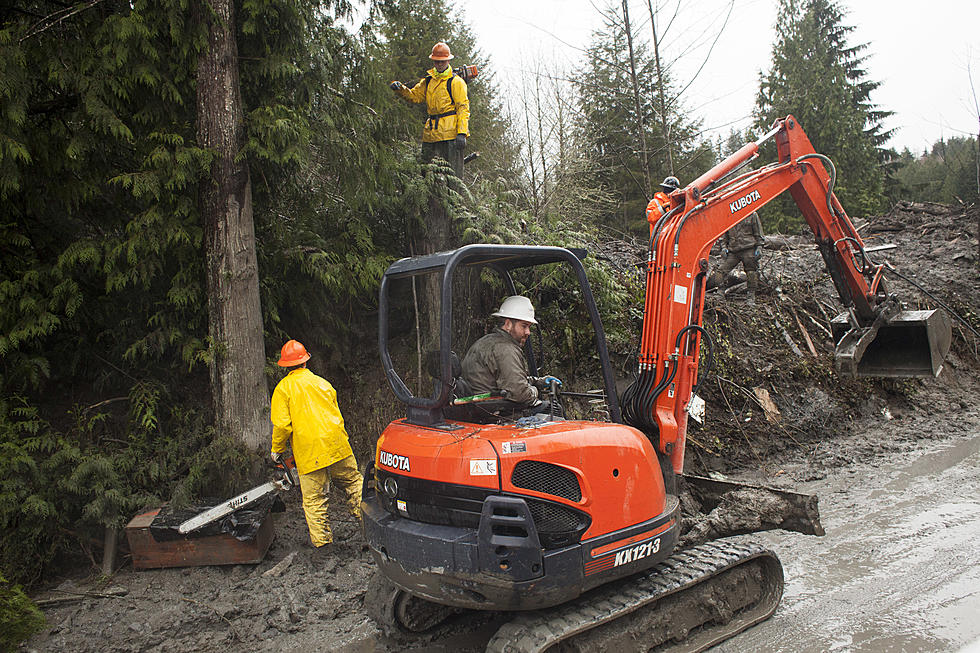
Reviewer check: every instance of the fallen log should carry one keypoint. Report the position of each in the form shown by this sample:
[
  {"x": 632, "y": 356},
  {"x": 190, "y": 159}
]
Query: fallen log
[{"x": 714, "y": 509}]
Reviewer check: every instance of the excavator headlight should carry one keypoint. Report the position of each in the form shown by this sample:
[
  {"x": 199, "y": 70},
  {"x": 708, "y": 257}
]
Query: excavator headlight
[{"x": 391, "y": 487}]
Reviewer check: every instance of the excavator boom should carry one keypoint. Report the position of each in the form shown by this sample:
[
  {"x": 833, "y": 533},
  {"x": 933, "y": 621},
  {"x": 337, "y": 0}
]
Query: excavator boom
[{"x": 873, "y": 328}]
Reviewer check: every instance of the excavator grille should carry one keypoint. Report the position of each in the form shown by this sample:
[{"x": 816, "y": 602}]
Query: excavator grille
[
  {"x": 433, "y": 502},
  {"x": 546, "y": 478},
  {"x": 557, "y": 525}
]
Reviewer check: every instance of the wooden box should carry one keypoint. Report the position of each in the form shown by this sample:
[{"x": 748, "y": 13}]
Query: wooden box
[{"x": 194, "y": 550}]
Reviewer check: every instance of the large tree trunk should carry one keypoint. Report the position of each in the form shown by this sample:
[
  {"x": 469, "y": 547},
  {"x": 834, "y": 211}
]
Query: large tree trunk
[
  {"x": 238, "y": 385},
  {"x": 435, "y": 236}
]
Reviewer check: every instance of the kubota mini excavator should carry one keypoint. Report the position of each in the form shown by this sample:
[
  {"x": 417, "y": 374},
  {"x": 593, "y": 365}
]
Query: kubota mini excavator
[{"x": 576, "y": 521}]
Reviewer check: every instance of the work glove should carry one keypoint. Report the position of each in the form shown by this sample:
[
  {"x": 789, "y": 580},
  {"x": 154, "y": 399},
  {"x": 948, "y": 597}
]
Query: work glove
[
  {"x": 276, "y": 458},
  {"x": 544, "y": 382},
  {"x": 395, "y": 86},
  {"x": 460, "y": 141}
]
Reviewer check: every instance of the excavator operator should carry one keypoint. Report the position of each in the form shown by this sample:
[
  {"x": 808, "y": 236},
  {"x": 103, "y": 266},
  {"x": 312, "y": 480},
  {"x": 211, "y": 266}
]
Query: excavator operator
[
  {"x": 448, "y": 121},
  {"x": 496, "y": 362}
]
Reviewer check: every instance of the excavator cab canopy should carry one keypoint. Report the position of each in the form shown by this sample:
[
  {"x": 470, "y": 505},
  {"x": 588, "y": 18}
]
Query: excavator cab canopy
[{"x": 444, "y": 267}]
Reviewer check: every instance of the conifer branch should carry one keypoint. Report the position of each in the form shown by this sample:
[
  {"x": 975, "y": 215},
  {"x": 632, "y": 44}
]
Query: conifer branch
[{"x": 55, "y": 18}]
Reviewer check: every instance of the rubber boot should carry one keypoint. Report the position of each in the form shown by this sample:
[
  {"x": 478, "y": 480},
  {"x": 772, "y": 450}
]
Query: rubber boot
[{"x": 752, "y": 284}]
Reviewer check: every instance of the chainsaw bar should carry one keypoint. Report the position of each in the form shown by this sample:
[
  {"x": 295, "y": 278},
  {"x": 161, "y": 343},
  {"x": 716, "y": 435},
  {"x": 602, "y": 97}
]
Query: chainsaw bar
[
  {"x": 228, "y": 507},
  {"x": 288, "y": 480}
]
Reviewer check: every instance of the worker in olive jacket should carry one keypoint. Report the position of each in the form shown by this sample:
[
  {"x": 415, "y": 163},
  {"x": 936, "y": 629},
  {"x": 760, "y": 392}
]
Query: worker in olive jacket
[
  {"x": 305, "y": 410},
  {"x": 741, "y": 244},
  {"x": 496, "y": 361},
  {"x": 448, "y": 121}
]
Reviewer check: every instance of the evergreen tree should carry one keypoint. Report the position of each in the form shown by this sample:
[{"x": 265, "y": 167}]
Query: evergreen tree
[
  {"x": 946, "y": 173},
  {"x": 103, "y": 312},
  {"x": 610, "y": 125},
  {"x": 820, "y": 79}
]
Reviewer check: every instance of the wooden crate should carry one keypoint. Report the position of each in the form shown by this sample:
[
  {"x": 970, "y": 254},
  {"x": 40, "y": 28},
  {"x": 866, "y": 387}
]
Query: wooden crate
[{"x": 194, "y": 551}]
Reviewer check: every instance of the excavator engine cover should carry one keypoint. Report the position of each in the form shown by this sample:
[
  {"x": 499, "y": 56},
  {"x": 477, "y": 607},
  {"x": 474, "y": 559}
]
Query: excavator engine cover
[{"x": 909, "y": 344}]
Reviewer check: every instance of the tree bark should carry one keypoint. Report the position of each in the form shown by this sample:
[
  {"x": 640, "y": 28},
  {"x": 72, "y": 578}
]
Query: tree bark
[
  {"x": 238, "y": 386},
  {"x": 436, "y": 235}
]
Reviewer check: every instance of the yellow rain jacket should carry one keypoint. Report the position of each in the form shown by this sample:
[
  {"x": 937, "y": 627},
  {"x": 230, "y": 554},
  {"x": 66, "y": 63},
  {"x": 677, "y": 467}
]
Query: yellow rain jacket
[
  {"x": 304, "y": 407},
  {"x": 448, "y": 116}
]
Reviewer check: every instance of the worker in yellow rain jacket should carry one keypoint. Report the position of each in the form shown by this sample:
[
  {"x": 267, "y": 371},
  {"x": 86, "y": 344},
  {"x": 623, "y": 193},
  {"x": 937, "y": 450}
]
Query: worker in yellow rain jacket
[
  {"x": 448, "y": 122},
  {"x": 304, "y": 409}
]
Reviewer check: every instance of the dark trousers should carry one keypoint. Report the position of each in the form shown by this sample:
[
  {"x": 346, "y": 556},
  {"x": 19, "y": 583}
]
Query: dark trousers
[
  {"x": 750, "y": 263},
  {"x": 448, "y": 151}
]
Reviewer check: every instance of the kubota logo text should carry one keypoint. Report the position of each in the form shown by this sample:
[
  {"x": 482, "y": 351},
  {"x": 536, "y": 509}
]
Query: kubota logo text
[
  {"x": 637, "y": 552},
  {"x": 742, "y": 202},
  {"x": 394, "y": 461}
]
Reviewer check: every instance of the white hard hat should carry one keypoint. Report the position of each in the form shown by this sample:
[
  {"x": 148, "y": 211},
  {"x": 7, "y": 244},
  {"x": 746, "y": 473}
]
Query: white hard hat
[{"x": 517, "y": 307}]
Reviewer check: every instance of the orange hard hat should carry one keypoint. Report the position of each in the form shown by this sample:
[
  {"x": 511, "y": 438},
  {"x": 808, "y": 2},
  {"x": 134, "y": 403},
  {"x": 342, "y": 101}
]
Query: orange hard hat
[
  {"x": 440, "y": 52},
  {"x": 293, "y": 353}
]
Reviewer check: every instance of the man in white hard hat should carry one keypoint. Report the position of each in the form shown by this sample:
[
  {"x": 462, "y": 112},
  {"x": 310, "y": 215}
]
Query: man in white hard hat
[{"x": 496, "y": 361}]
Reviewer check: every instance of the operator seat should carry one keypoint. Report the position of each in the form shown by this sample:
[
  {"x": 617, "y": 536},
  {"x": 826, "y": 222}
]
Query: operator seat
[{"x": 495, "y": 409}]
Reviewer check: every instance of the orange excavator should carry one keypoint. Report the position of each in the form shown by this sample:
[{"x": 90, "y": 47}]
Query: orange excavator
[{"x": 574, "y": 524}]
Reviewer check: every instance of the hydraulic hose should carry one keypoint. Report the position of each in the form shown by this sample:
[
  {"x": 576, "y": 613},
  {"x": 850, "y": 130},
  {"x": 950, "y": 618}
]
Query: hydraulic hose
[
  {"x": 703, "y": 374},
  {"x": 833, "y": 177},
  {"x": 866, "y": 266},
  {"x": 639, "y": 399}
]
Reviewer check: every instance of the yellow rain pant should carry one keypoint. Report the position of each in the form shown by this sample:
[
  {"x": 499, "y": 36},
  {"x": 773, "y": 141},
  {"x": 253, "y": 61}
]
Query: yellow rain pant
[{"x": 316, "y": 486}]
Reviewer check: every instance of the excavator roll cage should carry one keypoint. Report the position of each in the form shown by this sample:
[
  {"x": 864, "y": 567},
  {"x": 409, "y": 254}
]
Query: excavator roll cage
[{"x": 677, "y": 267}]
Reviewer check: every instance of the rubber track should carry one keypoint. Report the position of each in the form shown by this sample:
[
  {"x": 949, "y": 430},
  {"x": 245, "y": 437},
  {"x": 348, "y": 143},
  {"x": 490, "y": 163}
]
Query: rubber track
[{"x": 536, "y": 632}]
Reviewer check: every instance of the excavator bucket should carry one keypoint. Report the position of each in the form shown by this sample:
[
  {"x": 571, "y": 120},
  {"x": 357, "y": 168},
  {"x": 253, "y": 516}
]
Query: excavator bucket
[{"x": 908, "y": 344}]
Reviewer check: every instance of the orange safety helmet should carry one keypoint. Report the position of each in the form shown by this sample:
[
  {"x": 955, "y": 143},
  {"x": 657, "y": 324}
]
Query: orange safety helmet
[
  {"x": 440, "y": 52},
  {"x": 293, "y": 353}
]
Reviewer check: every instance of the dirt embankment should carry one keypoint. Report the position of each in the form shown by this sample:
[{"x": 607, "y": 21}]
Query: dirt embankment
[{"x": 776, "y": 412}]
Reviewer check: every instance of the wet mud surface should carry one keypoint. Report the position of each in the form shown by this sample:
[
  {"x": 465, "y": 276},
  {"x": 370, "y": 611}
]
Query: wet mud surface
[{"x": 896, "y": 465}]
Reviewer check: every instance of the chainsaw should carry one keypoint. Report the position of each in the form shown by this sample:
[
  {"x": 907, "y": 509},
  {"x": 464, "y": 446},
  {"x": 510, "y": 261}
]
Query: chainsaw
[
  {"x": 288, "y": 481},
  {"x": 468, "y": 73}
]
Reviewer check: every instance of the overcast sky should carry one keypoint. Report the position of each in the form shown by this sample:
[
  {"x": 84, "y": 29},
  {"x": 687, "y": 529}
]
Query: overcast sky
[{"x": 919, "y": 51}]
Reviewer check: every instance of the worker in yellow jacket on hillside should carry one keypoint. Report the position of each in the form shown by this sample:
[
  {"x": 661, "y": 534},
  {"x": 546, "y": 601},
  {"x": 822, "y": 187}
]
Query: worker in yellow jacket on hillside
[
  {"x": 305, "y": 410},
  {"x": 448, "y": 122}
]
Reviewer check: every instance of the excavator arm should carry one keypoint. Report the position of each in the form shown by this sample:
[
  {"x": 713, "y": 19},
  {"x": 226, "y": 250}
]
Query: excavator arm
[{"x": 677, "y": 269}]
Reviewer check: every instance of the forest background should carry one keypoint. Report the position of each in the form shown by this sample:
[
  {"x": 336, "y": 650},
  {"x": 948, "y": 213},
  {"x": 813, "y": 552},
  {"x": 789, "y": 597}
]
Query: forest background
[{"x": 184, "y": 186}]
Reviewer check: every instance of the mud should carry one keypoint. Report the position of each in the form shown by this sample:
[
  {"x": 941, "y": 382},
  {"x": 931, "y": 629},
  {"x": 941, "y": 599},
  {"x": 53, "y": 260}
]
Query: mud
[{"x": 894, "y": 463}]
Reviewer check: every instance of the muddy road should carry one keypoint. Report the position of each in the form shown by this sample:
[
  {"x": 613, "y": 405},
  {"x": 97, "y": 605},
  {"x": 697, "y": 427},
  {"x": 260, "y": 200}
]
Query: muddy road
[{"x": 897, "y": 570}]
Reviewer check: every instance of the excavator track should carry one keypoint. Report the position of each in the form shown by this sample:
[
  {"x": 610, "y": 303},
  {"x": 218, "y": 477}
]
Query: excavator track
[
  {"x": 691, "y": 601},
  {"x": 396, "y": 612}
]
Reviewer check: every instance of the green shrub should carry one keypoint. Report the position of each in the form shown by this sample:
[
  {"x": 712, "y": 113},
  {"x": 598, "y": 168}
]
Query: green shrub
[{"x": 19, "y": 617}]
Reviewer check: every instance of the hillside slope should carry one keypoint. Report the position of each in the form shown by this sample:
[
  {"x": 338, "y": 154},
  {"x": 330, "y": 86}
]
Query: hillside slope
[{"x": 298, "y": 597}]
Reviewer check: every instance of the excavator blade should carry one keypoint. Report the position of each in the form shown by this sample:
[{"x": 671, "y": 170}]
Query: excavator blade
[{"x": 907, "y": 344}]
